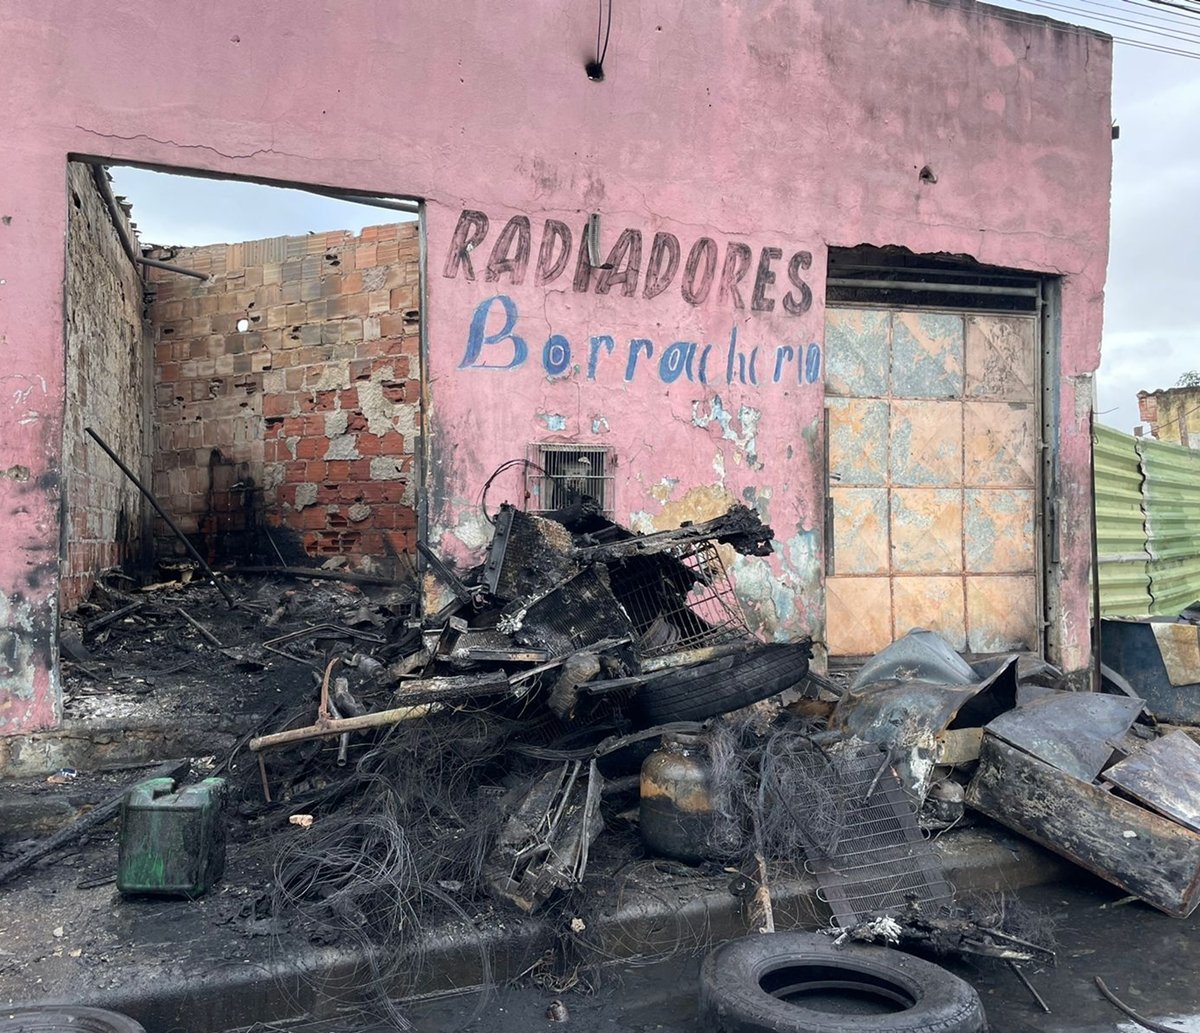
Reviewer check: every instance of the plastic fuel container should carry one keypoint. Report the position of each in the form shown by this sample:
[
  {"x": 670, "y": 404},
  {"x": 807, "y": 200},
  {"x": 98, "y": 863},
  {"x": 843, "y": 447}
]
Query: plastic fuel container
[{"x": 172, "y": 843}]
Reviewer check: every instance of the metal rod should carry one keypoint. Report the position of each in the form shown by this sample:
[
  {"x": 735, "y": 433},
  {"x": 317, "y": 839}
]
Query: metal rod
[
  {"x": 149, "y": 496},
  {"x": 207, "y": 635},
  {"x": 920, "y": 270},
  {"x": 393, "y": 203},
  {"x": 171, "y": 268},
  {"x": 936, "y": 288},
  {"x": 1141, "y": 1020},
  {"x": 344, "y": 724},
  {"x": 100, "y": 175},
  {"x": 1029, "y": 986},
  {"x": 262, "y": 774}
]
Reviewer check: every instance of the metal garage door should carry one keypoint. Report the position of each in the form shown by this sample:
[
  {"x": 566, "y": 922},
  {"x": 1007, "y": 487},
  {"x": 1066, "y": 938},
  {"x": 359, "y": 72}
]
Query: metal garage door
[{"x": 932, "y": 467}]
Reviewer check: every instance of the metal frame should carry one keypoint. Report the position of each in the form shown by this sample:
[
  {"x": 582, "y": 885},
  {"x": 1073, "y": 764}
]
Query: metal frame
[{"x": 1046, "y": 518}]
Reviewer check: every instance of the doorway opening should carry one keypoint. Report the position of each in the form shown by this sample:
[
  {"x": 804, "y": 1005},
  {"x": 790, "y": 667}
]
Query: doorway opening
[
  {"x": 934, "y": 467},
  {"x": 252, "y": 352}
]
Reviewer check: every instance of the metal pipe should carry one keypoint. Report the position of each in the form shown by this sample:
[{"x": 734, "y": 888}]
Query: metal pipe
[
  {"x": 937, "y": 288},
  {"x": 345, "y": 724},
  {"x": 171, "y": 268},
  {"x": 149, "y": 496},
  {"x": 395, "y": 204},
  {"x": 100, "y": 175}
]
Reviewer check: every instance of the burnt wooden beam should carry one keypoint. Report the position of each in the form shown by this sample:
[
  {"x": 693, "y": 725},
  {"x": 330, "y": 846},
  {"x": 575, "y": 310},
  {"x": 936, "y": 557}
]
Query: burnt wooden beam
[{"x": 1126, "y": 844}]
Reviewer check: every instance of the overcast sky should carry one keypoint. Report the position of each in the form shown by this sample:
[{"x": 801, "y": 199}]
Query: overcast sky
[{"x": 1152, "y": 314}]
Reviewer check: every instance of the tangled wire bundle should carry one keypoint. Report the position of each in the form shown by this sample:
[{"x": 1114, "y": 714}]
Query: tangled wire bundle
[{"x": 407, "y": 846}]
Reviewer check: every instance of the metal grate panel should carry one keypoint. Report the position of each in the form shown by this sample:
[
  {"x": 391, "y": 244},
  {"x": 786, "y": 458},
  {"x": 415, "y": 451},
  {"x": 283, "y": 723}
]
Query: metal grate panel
[
  {"x": 562, "y": 474},
  {"x": 881, "y": 862},
  {"x": 681, "y": 598}
]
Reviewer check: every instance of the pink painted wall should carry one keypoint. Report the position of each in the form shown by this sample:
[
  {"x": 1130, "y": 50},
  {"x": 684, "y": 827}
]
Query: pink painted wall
[{"x": 794, "y": 125}]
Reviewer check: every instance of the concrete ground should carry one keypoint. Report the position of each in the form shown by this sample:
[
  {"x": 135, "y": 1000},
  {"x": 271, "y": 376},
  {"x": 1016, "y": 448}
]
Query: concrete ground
[
  {"x": 1148, "y": 959},
  {"x": 221, "y": 962}
]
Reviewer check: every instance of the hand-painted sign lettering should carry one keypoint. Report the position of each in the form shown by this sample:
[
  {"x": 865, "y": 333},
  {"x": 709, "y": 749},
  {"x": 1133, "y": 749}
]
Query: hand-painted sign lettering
[
  {"x": 502, "y": 348},
  {"x": 702, "y": 275}
]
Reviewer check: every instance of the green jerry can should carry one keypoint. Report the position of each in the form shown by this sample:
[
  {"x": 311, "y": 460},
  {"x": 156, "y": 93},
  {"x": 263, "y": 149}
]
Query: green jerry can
[{"x": 172, "y": 843}]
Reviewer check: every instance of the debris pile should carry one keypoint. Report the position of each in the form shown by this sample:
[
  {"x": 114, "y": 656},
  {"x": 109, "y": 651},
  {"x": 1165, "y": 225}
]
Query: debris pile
[{"x": 588, "y": 695}]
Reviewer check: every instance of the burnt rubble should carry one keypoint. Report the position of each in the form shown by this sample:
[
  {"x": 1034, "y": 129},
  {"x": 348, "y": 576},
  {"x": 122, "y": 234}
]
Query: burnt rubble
[{"x": 398, "y": 770}]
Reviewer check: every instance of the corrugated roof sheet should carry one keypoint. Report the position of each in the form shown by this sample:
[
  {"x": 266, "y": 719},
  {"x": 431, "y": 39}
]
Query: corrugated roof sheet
[{"x": 1120, "y": 526}]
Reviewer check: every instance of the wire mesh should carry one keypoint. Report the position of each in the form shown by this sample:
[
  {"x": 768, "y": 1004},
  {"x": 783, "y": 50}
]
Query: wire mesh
[
  {"x": 881, "y": 862},
  {"x": 681, "y": 598}
]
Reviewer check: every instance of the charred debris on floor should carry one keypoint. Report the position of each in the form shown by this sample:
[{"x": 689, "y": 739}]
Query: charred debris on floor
[{"x": 590, "y": 697}]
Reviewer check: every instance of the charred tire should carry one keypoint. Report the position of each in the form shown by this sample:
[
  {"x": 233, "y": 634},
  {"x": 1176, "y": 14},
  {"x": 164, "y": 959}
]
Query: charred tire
[
  {"x": 66, "y": 1020},
  {"x": 694, "y": 693},
  {"x": 744, "y": 983}
]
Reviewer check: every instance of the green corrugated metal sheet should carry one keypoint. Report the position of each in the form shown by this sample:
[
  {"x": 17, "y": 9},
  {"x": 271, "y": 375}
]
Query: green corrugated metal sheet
[
  {"x": 1172, "y": 505},
  {"x": 1120, "y": 526}
]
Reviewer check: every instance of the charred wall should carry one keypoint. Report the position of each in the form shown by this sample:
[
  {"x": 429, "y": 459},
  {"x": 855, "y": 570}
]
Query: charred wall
[
  {"x": 106, "y": 349},
  {"x": 287, "y": 395}
]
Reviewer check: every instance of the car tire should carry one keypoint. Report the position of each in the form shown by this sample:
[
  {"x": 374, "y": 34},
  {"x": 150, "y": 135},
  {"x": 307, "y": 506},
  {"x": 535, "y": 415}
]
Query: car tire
[
  {"x": 744, "y": 983},
  {"x": 717, "y": 687},
  {"x": 60, "y": 1019}
]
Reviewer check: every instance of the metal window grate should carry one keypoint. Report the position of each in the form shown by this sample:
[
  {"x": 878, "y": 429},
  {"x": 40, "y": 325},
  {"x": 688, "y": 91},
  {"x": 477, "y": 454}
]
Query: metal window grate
[
  {"x": 562, "y": 474},
  {"x": 680, "y": 598}
]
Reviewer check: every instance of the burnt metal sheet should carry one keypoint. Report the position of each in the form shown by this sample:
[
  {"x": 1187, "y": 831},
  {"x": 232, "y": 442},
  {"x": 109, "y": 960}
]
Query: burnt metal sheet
[
  {"x": 1121, "y": 841},
  {"x": 1072, "y": 731},
  {"x": 1165, "y": 776},
  {"x": 1179, "y": 644},
  {"x": 918, "y": 656},
  {"x": 1131, "y": 649},
  {"x": 577, "y": 613},
  {"x": 922, "y": 689}
]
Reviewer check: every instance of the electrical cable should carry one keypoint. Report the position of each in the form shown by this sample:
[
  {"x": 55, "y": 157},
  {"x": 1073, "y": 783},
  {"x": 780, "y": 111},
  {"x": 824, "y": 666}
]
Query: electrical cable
[
  {"x": 527, "y": 464},
  {"x": 1163, "y": 11},
  {"x": 1181, "y": 7},
  {"x": 1113, "y": 20},
  {"x": 1015, "y": 17},
  {"x": 1177, "y": 418},
  {"x": 607, "y": 34}
]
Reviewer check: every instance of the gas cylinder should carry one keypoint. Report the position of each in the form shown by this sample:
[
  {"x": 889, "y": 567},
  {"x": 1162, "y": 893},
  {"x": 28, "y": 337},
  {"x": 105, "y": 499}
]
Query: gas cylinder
[{"x": 676, "y": 814}]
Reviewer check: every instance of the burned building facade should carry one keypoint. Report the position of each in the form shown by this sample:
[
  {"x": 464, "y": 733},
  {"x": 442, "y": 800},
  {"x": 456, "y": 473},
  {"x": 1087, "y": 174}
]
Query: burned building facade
[{"x": 842, "y": 263}]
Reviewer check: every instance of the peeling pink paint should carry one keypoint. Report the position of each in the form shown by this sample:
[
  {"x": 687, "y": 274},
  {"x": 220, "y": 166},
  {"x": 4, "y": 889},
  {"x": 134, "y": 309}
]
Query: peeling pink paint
[{"x": 790, "y": 125}]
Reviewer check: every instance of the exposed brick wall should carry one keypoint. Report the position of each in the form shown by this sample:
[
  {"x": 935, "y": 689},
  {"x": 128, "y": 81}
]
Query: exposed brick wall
[
  {"x": 1172, "y": 415},
  {"x": 307, "y": 420},
  {"x": 106, "y": 366}
]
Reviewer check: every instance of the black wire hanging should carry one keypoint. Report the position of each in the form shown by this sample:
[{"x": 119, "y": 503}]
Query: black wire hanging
[{"x": 595, "y": 69}]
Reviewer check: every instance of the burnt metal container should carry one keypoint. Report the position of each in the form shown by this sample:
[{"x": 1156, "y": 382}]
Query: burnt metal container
[
  {"x": 172, "y": 843},
  {"x": 676, "y": 813}
]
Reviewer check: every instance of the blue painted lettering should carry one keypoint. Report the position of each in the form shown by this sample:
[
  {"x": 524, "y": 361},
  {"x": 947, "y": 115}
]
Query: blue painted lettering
[
  {"x": 594, "y": 346},
  {"x": 675, "y": 361},
  {"x": 556, "y": 355},
  {"x": 784, "y": 353},
  {"x": 636, "y": 347},
  {"x": 477, "y": 339},
  {"x": 812, "y": 363}
]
